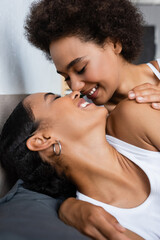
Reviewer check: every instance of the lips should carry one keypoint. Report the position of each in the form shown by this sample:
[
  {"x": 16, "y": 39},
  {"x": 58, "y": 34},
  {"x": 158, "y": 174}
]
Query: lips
[
  {"x": 82, "y": 103},
  {"x": 92, "y": 93}
]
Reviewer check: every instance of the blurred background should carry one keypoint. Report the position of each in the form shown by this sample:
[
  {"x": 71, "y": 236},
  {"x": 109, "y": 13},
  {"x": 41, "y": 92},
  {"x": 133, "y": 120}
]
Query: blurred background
[{"x": 24, "y": 69}]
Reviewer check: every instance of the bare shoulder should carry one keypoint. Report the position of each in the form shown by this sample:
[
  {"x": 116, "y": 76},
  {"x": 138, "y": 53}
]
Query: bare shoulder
[
  {"x": 137, "y": 113},
  {"x": 136, "y": 123}
]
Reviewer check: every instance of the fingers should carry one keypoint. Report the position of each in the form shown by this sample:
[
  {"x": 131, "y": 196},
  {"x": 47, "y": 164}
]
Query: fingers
[
  {"x": 101, "y": 226},
  {"x": 148, "y": 98},
  {"x": 145, "y": 90},
  {"x": 156, "y": 106},
  {"x": 145, "y": 86},
  {"x": 96, "y": 234},
  {"x": 119, "y": 227},
  {"x": 112, "y": 220},
  {"x": 91, "y": 220},
  {"x": 146, "y": 93}
]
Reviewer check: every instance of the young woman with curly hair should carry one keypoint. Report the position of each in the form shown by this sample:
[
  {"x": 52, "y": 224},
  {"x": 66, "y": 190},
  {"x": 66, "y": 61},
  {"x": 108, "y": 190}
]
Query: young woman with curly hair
[
  {"x": 62, "y": 29},
  {"x": 93, "y": 44}
]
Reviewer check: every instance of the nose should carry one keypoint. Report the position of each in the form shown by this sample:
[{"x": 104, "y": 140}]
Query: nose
[
  {"x": 76, "y": 84},
  {"x": 75, "y": 94}
]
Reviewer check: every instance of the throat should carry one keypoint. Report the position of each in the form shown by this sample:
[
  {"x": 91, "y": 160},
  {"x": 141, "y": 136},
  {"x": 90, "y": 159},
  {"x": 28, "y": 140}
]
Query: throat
[
  {"x": 126, "y": 186},
  {"x": 117, "y": 97}
]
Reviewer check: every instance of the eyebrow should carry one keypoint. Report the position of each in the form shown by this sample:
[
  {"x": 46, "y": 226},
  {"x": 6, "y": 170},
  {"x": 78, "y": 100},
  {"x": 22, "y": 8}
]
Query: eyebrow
[{"x": 72, "y": 63}]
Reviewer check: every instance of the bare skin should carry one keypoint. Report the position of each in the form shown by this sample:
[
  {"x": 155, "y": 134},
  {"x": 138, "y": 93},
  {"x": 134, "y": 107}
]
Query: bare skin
[
  {"x": 147, "y": 92},
  {"x": 116, "y": 80},
  {"x": 86, "y": 65},
  {"x": 129, "y": 117},
  {"x": 133, "y": 182}
]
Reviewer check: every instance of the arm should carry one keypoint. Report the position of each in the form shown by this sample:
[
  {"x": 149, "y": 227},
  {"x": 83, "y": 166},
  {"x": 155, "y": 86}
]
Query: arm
[{"x": 91, "y": 220}]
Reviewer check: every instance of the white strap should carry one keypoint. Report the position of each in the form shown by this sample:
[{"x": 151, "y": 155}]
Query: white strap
[
  {"x": 155, "y": 69},
  {"x": 158, "y": 61}
]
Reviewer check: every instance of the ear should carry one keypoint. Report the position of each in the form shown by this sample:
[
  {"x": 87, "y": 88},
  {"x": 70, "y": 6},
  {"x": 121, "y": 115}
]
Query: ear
[
  {"x": 117, "y": 47},
  {"x": 39, "y": 141}
]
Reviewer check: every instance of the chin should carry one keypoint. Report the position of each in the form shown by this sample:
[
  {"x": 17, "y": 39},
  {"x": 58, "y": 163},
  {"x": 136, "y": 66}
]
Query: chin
[
  {"x": 101, "y": 100},
  {"x": 98, "y": 102},
  {"x": 103, "y": 111}
]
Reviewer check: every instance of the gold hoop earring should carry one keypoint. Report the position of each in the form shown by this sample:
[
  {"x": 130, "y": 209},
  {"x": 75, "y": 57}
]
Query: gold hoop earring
[{"x": 54, "y": 148}]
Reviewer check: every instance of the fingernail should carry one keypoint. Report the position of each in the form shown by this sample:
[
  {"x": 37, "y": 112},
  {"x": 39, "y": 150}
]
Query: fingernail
[
  {"x": 156, "y": 105},
  {"x": 140, "y": 99},
  {"x": 120, "y": 227},
  {"x": 131, "y": 94}
]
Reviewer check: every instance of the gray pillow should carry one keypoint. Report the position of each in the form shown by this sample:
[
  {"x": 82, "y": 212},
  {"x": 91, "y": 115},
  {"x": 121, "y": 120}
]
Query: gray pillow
[{"x": 27, "y": 215}]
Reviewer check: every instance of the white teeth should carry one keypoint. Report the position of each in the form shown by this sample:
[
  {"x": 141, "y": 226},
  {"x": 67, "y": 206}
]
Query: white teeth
[
  {"x": 83, "y": 105},
  {"x": 92, "y": 91}
]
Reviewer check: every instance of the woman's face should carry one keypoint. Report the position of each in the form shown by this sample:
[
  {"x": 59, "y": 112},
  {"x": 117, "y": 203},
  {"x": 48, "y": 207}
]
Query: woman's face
[
  {"x": 87, "y": 67},
  {"x": 66, "y": 116}
]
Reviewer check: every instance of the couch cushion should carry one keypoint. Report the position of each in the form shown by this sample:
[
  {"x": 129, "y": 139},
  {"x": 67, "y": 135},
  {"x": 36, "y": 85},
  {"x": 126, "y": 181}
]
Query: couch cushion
[
  {"x": 27, "y": 215},
  {"x": 7, "y": 104}
]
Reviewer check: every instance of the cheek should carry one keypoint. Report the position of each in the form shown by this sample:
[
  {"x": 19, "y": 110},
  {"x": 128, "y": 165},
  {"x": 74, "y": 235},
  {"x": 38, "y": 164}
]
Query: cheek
[
  {"x": 94, "y": 73},
  {"x": 98, "y": 70},
  {"x": 66, "y": 120},
  {"x": 74, "y": 123}
]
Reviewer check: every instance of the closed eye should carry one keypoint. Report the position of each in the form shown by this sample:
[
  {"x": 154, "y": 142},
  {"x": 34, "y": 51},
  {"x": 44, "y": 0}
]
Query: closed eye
[
  {"x": 51, "y": 94},
  {"x": 78, "y": 72},
  {"x": 82, "y": 70},
  {"x": 58, "y": 96},
  {"x": 67, "y": 79}
]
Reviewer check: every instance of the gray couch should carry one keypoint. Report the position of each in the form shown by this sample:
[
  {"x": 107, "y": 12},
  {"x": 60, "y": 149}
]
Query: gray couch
[
  {"x": 24, "y": 214},
  {"x": 7, "y": 104}
]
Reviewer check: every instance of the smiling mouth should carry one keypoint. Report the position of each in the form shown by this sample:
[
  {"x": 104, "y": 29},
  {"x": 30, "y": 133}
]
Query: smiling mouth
[
  {"x": 93, "y": 90},
  {"x": 82, "y": 103}
]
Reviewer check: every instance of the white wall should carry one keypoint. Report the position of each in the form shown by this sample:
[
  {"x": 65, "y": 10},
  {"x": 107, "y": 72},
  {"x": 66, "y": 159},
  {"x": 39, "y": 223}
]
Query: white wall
[
  {"x": 147, "y": 1},
  {"x": 23, "y": 68}
]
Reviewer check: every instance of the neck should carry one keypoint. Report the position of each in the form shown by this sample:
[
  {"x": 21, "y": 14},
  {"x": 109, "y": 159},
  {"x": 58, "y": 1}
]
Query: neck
[
  {"x": 130, "y": 76},
  {"x": 96, "y": 171}
]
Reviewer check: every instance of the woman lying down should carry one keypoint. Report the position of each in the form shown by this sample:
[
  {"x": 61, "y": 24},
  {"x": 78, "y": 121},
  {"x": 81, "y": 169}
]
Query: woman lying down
[{"x": 59, "y": 144}]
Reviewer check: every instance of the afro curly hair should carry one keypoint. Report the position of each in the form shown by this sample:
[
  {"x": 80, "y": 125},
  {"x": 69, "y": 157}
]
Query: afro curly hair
[{"x": 90, "y": 20}]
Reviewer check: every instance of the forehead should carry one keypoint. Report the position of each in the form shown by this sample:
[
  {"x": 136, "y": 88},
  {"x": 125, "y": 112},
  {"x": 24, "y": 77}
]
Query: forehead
[
  {"x": 39, "y": 103},
  {"x": 38, "y": 100},
  {"x": 67, "y": 49}
]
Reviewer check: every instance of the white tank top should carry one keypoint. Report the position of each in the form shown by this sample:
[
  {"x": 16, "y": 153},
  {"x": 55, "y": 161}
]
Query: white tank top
[
  {"x": 145, "y": 218},
  {"x": 156, "y": 72}
]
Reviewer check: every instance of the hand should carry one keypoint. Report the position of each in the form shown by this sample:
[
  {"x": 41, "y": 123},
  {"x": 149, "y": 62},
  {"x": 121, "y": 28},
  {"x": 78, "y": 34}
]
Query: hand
[
  {"x": 91, "y": 220},
  {"x": 146, "y": 93}
]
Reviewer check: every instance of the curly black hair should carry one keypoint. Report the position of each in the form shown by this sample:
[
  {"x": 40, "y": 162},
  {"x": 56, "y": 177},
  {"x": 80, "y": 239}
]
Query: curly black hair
[
  {"x": 21, "y": 163},
  {"x": 90, "y": 20}
]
